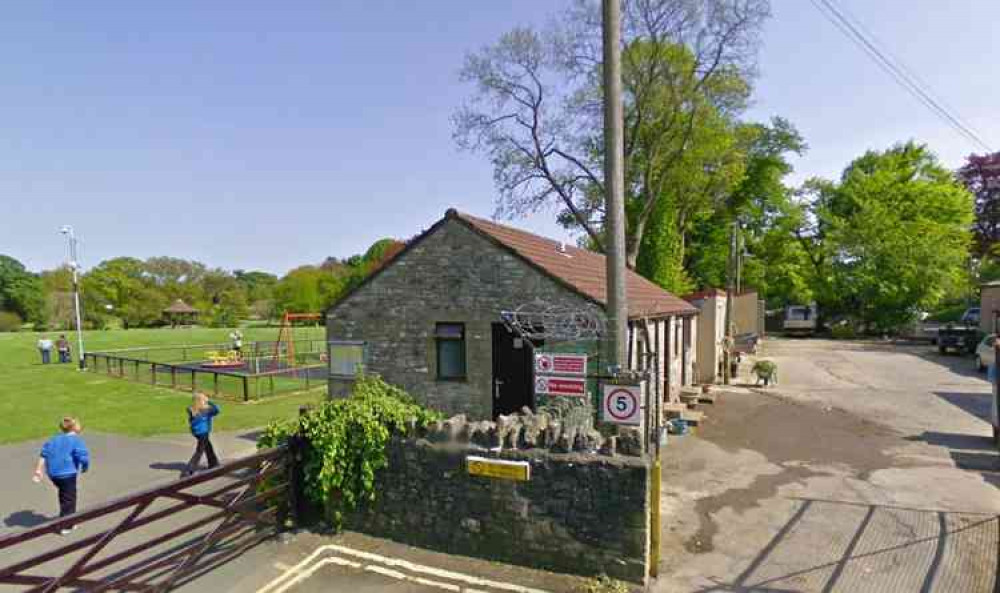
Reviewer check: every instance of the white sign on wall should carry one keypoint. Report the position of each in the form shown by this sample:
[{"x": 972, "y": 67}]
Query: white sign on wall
[{"x": 622, "y": 404}]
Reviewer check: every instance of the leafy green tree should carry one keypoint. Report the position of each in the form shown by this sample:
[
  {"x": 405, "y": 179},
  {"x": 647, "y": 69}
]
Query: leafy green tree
[
  {"x": 299, "y": 290},
  {"x": 258, "y": 286},
  {"x": 892, "y": 237},
  {"x": 772, "y": 262},
  {"x": 536, "y": 114},
  {"x": 123, "y": 284},
  {"x": 21, "y": 291}
]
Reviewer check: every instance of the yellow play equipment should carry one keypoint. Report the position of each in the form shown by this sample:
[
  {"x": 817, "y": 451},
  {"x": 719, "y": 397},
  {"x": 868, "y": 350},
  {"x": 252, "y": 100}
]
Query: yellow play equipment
[{"x": 224, "y": 359}]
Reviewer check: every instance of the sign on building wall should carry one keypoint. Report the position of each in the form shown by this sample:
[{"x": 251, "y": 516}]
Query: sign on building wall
[
  {"x": 560, "y": 364},
  {"x": 622, "y": 404},
  {"x": 571, "y": 386},
  {"x": 560, "y": 374},
  {"x": 498, "y": 468}
]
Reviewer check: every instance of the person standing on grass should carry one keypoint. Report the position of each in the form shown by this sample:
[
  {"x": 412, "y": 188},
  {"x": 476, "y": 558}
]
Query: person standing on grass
[
  {"x": 200, "y": 415},
  {"x": 237, "y": 339},
  {"x": 45, "y": 348},
  {"x": 62, "y": 457},
  {"x": 62, "y": 345}
]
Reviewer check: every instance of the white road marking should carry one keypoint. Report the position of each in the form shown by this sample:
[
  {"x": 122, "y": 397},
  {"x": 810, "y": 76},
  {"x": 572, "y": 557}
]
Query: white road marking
[
  {"x": 446, "y": 574},
  {"x": 305, "y": 574},
  {"x": 307, "y": 567},
  {"x": 419, "y": 580}
]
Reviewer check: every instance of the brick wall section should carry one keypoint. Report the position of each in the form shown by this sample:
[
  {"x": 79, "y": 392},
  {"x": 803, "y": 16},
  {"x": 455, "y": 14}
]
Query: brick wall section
[
  {"x": 453, "y": 275},
  {"x": 579, "y": 513}
]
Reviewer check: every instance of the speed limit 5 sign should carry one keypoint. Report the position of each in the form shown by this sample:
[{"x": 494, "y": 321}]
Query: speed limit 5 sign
[{"x": 622, "y": 404}]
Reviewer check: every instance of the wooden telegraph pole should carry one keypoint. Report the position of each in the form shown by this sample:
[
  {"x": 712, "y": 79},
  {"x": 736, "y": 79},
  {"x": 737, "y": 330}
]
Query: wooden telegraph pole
[{"x": 614, "y": 184}]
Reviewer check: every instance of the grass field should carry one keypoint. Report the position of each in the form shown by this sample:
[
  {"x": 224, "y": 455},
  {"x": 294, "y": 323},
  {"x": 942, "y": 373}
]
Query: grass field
[{"x": 33, "y": 397}]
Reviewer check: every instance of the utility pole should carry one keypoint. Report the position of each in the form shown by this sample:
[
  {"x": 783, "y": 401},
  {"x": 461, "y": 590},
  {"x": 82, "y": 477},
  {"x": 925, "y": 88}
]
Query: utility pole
[
  {"x": 74, "y": 264},
  {"x": 614, "y": 184},
  {"x": 739, "y": 257},
  {"x": 730, "y": 281}
]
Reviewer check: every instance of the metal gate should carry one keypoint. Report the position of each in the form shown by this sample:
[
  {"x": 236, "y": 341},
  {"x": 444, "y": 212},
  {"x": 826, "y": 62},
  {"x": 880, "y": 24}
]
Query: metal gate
[{"x": 159, "y": 538}]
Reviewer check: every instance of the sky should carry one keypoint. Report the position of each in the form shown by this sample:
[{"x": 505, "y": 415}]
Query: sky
[{"x": 262, "y": 135}]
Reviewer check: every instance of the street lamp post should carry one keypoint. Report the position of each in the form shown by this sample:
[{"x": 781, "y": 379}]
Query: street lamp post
[{"x": 74, "y": 265}]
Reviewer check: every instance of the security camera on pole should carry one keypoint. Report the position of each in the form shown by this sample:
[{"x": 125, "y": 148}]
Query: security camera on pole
[{"x": 74, "y": 265}]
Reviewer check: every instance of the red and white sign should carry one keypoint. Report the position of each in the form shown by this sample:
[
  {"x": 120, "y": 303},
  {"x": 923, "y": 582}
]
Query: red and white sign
[
  {"x": 561, "y": 364},
  {"x": 561, "y": 386},
  {"x": 622, "y": 404}
]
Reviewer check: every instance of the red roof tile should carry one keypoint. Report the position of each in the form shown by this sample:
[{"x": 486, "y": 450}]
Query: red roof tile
[
  {"x": 580, "y": 269},
  {"x": 702, "y": 294}
]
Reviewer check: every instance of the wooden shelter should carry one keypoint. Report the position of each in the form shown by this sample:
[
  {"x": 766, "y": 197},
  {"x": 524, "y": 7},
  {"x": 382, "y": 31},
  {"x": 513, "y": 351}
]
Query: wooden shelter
[{"x": 180, "y": 313}]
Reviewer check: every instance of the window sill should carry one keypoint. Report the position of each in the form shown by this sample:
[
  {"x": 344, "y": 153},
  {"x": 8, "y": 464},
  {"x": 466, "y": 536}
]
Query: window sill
[{"x": 452, "y": 379}]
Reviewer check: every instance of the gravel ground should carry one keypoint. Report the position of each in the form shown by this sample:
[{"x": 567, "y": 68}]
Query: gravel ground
[{"x": 869, "y": 468}]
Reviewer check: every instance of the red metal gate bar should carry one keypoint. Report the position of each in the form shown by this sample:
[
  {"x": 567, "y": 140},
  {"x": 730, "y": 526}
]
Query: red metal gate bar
[{"x": 238, "y": 511}]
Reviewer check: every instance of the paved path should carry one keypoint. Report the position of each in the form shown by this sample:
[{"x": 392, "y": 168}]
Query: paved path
[
  {"x": 311, "y": 563},
  {"x": 869, "y": 469},
  {"x": 120, "y": 465}
]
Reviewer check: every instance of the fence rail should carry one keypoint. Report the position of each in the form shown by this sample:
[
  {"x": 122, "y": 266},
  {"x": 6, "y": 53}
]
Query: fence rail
[
  {"x": 141, "y": 543},
  {"x": 218, "y": 382}
]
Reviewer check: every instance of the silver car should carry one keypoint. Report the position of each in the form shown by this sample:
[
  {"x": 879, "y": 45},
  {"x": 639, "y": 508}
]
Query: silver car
[{"x": 985, "y": 354}]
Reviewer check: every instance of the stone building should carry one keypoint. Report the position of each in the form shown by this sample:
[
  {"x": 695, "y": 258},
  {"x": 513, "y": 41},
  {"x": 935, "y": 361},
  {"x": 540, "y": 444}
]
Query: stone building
[{"x": 430, "y": 319}]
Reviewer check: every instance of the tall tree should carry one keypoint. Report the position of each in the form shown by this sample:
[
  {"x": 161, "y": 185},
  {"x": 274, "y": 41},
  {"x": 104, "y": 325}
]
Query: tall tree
[
  {"x": 981, "y": 176},
  {"x": 890, "y": 238},
  {"x": 21, "y": 291},
  {"x": 762, "y": 204},
  {"x": 123, "y": 283},
  {"x": 536, "y": 112}
]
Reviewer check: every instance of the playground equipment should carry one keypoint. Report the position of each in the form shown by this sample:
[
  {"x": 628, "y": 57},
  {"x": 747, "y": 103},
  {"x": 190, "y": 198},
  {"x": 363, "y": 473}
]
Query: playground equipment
[
  {"x": 229, "y": 359},
  {"x": 285, "y": 345}
]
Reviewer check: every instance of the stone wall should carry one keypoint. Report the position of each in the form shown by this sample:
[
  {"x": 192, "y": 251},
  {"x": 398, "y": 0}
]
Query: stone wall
[
  {"x": 583, "y": 512},
  {"x": 452, "y": 275}
]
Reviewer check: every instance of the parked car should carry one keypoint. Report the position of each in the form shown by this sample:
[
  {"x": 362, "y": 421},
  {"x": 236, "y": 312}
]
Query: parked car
[
  {"x": 985, "y": 353},
  {"x": 971, "y": 316},
  {"x": 961, "y": 339}
]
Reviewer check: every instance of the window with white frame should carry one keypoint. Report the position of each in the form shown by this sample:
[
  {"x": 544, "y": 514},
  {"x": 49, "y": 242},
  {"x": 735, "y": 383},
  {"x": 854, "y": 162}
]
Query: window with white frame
[{"x": 346, "y": 357}]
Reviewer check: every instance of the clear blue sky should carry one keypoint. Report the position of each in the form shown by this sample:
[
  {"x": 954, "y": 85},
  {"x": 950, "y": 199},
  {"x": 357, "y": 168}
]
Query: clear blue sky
[{"x": 267, "y": 135}]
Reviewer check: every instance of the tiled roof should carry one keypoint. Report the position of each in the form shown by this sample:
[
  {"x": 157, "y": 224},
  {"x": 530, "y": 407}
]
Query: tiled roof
[
  {"x": 580, "y": 269},
  {"x": 704, "y": 294}
]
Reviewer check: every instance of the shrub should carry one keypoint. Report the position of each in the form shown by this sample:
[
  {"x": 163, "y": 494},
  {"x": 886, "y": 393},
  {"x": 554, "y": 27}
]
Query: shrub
[
  {"x": 844, "y": 331},
  {"x": 346, "y": 440},
  {"x": 950, "y": 314},
  {"x": 10, "y": 322}
]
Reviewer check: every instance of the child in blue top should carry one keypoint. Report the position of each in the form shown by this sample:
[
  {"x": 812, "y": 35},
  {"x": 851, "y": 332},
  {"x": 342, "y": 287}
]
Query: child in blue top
[
  {"x": 62, "y": 457},
  {"x": 200, "y": 415}
]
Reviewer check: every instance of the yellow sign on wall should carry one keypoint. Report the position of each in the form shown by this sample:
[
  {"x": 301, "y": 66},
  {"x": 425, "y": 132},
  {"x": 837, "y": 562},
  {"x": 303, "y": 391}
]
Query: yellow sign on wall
[{"x": 499, "y": 468}]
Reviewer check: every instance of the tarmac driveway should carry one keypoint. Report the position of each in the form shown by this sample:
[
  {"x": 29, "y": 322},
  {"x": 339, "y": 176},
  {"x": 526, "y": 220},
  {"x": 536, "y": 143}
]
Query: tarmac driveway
[{"x": 868, "y": 469}]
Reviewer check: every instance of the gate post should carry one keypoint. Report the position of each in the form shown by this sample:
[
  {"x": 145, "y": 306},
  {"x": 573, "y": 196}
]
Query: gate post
[{"x": 302, "y": 511}]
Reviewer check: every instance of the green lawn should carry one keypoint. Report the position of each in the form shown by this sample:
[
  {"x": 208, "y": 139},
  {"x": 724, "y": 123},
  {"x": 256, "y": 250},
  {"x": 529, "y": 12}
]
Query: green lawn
[{"x": 33, "y": 397}]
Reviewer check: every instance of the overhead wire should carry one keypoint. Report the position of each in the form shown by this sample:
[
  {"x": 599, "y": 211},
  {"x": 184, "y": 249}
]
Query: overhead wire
[{"x": 854, "y": 30}]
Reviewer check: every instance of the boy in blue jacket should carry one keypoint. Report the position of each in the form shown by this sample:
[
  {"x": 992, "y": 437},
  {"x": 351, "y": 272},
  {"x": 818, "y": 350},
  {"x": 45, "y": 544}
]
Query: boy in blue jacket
[
  {"x": 62, "y": 457},
  {"x": 200, "y": 415}
]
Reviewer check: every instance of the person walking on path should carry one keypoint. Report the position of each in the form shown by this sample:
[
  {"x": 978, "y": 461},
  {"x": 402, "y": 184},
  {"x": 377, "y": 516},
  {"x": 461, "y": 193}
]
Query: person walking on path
[
  {"x": 62, "y": 345},
  {"x": 45, "y": 348},
  {"x": 62, "y": 457},
  {"x": 200, "y": 415}
]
